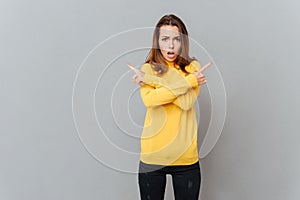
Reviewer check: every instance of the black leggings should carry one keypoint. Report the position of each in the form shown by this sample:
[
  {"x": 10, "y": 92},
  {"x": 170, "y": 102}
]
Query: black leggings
[{"x": 186, "y": 181}]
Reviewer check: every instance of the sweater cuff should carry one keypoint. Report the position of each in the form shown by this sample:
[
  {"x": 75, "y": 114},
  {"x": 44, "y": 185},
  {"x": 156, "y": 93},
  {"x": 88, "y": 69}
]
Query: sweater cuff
[{"x": 192, "y": 80}]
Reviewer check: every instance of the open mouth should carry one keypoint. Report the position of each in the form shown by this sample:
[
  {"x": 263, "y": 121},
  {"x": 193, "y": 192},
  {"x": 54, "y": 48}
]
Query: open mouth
[{"x": 170, "y": 53}]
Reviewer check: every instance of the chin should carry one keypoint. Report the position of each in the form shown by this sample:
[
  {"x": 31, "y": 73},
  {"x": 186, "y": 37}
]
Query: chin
[{"x": 171, "y": 60}]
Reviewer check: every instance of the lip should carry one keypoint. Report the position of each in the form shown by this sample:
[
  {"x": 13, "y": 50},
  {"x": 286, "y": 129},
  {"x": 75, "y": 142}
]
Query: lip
[{"x": 169, "y": 57}]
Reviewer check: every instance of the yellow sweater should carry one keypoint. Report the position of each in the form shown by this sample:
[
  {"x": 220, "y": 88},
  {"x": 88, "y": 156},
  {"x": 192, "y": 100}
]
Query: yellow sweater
[{"x": 169, "y": 135}]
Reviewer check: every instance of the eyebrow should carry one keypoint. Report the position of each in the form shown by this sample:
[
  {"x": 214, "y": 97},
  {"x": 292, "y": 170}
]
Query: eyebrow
[{"x": 169, "y": 36}]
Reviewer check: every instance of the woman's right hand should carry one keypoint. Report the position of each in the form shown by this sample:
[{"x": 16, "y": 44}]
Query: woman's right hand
[
  {"x": 200, "y": 76},
  {"x": 139, "y": 75}
]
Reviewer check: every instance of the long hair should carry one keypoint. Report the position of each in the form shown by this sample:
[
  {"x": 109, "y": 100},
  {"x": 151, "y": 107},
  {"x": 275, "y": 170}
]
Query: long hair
[{"x": 155, "y": 57}]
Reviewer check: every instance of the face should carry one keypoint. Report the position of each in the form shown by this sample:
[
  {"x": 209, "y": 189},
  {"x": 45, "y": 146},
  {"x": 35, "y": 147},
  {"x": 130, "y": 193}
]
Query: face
[{"x": 169, "y": 42}]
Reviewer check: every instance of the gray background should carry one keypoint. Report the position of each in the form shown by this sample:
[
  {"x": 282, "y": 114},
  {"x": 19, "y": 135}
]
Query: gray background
[{"x": 255, "y": 45}]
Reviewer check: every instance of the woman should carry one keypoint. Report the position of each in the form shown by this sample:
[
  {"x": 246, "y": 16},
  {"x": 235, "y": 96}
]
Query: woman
[{"x": 169, "y": 82}]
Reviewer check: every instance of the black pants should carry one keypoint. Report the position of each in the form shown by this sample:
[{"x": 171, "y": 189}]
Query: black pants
[{"x": 186, "y": 181}]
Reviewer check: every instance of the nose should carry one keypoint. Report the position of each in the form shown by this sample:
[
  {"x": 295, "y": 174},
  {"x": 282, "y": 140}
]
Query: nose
[{"x": 171, "y": 44}]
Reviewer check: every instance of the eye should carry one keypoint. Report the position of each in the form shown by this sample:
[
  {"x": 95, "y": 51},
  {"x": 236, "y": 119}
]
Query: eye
[
  {"x": 178, "y": 39},
  {"x": 164, "y": 39}
]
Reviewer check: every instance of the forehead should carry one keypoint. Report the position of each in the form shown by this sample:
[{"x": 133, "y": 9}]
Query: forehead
[{"x": 168, "y": 30}]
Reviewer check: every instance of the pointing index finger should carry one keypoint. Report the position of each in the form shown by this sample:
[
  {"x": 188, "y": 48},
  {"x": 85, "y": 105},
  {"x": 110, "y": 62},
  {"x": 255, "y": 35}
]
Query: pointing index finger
[
  {"x": 205, "y": 67},
  {"x": 133, "y": 68}
]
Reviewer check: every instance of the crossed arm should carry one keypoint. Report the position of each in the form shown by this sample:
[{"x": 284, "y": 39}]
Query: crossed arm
[{"x": 158, "y": 91}]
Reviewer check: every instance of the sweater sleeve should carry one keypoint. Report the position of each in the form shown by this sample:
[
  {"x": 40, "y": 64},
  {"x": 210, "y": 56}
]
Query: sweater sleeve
[
  {"x": 153, "y": 96},
  {"x": 187, "y": 100},
  {"x": 187, "y": 82}
]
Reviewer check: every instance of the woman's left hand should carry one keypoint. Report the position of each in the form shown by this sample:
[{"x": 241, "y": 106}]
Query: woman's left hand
[
  {"x": 199, "y": 74},
  {"x": 139, "y": 75}
]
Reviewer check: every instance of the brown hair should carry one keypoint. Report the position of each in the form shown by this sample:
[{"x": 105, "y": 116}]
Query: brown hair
[{"x": 156, "y": 59}]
